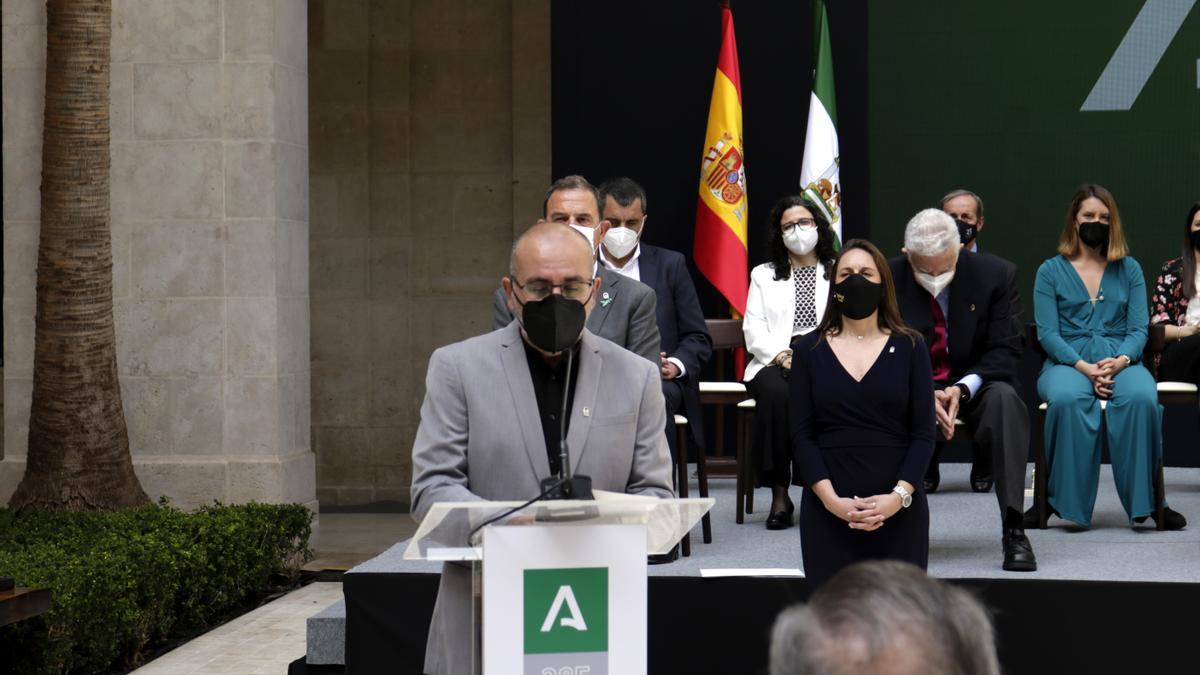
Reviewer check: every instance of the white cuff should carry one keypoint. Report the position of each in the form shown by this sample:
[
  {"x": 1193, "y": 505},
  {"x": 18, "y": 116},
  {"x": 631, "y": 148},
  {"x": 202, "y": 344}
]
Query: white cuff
[{"x": 678, "y": 364}]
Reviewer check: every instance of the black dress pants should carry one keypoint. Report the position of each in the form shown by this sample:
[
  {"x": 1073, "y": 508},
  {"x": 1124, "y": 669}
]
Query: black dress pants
[
  {"x": 771, "y": 448},
  {"x": 1181, "y": 361}
]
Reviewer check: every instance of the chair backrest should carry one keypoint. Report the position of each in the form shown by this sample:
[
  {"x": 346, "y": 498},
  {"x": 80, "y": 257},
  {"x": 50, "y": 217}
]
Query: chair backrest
[{"x": 726, "y": 336}]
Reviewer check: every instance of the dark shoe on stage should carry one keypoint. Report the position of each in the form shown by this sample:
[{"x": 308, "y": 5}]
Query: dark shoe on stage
[
  {"x": 1030, "y": 520},
  {"x": 981, "y": 471},
  {"x": 660, "y": 558},
  {"x": 933, "y": 478},
  {"x": 781, "y": 520},
  {"x": 1018, "y": 552},
  {"x": 1172, "y": 520}
]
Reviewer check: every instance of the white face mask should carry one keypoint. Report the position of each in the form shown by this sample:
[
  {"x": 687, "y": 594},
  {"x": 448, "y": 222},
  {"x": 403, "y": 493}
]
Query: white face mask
[
  {"x": 935, "y": 285},
  {"x": 800, "y": 241},
  {"x": 619, "y": 241},
  {"x": 588, "y": 232}
]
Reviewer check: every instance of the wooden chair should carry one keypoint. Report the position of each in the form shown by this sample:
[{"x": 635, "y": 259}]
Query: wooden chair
[
  {"x": 726, "y": 336},
  {"x": 681, "y": 478},
  {"x": 1168, "y": 392}
]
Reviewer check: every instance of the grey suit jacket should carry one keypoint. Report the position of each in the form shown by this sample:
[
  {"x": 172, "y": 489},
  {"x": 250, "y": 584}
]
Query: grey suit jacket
[
  {"x": 624, "y": 313},
  {"x": 480, "y": 437}
]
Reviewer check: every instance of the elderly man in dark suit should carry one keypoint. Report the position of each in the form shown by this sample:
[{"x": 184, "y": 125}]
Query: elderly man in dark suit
[
  {"x": 624, "y": 311},
  {"x": 686, "y": 345},
  {"x": 968, "y": 307}
]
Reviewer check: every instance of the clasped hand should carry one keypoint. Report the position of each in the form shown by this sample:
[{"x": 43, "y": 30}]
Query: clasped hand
[
  {"x": 865, "y": 513},
  {"x": 1102, "y": 374},
  {"x": 945, "y": 408}
]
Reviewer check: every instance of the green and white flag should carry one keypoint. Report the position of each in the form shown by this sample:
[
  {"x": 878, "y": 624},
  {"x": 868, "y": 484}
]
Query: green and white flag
[{"x": 820, "y": 178}]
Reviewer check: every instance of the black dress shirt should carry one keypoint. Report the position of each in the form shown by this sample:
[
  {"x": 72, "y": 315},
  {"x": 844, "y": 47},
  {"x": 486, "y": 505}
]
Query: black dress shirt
[{"x": 548, "y": 382}]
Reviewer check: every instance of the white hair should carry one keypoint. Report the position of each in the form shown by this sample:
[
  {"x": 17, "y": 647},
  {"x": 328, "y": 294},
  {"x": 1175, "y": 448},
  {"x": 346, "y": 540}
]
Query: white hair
[{"x": 931, "y": 232}]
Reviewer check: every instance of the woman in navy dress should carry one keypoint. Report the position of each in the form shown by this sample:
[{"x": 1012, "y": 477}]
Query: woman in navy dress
[{"x": 862, "y": 423}]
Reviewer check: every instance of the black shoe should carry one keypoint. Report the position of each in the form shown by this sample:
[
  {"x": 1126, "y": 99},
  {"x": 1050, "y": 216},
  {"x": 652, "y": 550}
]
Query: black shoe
[
  {"x": 660, "y": 558},
  {"x": 1172, "y": 520},
  {"x": 933, "y": 477},
  {"x": 981, "y": 471},
  {"x": 1030, "y": 519},
  {"x": 781, "y": 520},
  {"x": 1018, "y": 552}
]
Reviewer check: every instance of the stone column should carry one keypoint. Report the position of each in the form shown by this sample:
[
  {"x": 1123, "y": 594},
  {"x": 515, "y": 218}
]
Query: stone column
[{"x": 210, "y": 240}]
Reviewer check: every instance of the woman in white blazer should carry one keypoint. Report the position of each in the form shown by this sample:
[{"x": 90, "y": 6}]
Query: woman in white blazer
[{"x": 787, "y": 299}]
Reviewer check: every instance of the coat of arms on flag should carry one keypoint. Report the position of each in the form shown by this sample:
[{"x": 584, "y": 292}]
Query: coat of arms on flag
[{"x": 722, "y": 169}]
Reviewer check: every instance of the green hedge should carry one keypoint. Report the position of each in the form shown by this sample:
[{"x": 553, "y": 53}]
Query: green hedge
[{"x": 124, "y": 581}]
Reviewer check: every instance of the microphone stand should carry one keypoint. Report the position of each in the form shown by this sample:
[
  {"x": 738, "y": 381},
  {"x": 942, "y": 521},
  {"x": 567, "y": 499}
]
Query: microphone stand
[{"x": 570, "y": 486}]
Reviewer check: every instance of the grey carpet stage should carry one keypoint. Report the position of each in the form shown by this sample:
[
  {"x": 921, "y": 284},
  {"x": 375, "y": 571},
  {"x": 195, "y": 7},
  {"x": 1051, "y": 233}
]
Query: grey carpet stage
[{"x": 1097, "y": 592}]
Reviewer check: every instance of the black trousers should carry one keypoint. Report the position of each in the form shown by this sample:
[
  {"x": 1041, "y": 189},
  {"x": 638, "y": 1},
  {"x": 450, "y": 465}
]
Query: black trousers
[
  {"x": 771, "y": 448},
  {"x": 1181, "y": 361},
  {"x": 999, "y": 421},
  {"x": 673, "y": 399}
]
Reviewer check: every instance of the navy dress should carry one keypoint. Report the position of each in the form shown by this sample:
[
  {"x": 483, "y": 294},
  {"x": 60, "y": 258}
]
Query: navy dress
[{"x": 863, "y": 436}]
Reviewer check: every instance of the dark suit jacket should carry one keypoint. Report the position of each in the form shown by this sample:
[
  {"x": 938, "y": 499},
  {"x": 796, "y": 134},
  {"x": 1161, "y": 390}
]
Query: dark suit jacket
[
  {"x": 624, "y": 314},
  {"x": 984, "y": 326},
  {"x": 680, "y": 322}
]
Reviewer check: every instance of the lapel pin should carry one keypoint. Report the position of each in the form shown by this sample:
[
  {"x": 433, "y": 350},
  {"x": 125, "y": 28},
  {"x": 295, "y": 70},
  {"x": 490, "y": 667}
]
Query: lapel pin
[
  {"x": 891, "y": 350},
  {"x": 972, "y": 307},
  {"x": 605, "y": 299},
  {"x": 587, "y": 412}
]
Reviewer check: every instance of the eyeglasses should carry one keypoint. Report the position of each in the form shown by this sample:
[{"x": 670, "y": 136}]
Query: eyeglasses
[
  {"x": 804, "y": 223},
  {"x": 572, "y": 290}
]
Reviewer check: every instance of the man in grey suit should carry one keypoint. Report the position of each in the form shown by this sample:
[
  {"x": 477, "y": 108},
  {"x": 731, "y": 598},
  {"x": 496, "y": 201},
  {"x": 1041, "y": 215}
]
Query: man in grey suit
[
  {"x": 489, "y": 430},
  {"x": 625, "y": 308}
]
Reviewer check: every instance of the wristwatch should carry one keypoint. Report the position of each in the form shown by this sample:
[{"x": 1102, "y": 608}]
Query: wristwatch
[
  {"x": 905, "y": 496},
  {"x": 966, "y": 393}
]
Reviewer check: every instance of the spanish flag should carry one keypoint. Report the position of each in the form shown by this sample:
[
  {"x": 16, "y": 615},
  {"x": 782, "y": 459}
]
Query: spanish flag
[{"x": 720, "y": 247}]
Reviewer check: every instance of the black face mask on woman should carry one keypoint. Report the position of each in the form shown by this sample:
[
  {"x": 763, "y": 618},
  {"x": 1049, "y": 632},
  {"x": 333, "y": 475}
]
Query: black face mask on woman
[
  {"x": 1196, "y": 239},
  {"x": 857, "y": 297},
  {"x": 1094, "y": 233},
  {"x": 553, "y": 323}
]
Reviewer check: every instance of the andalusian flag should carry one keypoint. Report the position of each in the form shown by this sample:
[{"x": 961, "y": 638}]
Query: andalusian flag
[
  {"x": 820, "y": 178},
  {"x": 720, "y": 247}
]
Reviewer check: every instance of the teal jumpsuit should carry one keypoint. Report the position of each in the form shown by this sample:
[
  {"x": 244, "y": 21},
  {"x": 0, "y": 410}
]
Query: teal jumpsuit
[{"x": 1072, "y": 327}]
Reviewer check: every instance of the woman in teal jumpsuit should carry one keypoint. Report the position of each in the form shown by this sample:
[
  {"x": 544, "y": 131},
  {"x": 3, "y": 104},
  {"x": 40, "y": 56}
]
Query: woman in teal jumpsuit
[{"x": 1090, "y": 305}]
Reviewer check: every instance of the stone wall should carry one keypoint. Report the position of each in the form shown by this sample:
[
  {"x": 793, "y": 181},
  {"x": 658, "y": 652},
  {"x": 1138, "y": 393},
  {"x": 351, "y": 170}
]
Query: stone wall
[
  {"x": 430, "y": 137},
  {"x": 210, "y": 240}
]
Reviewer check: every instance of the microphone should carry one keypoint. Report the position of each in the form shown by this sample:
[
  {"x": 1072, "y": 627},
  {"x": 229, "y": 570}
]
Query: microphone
[{"x": 566, "y": 485}]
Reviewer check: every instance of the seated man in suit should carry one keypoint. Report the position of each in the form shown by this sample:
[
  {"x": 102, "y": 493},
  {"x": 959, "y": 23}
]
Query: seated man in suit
[
  {"x": 489, "y": 427},
  {"x": 968, "y": 307},
  {"x": 624, "y": 311},
  {"x": 686, "y": 344},
  {"x": 966, "y": 208}
]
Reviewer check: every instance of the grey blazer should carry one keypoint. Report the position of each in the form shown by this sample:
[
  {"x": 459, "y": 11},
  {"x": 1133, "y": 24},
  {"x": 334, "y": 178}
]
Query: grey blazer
[
  {"x": 480, "y": 437},
  {"x": 624, "y": 314}
]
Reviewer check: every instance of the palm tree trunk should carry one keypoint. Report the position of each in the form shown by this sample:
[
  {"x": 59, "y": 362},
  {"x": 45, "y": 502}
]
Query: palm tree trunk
[{"x": 78, "y": 445}]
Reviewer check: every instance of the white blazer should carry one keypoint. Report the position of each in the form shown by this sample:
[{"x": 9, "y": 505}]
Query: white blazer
[{"x": 770, "y": 314}]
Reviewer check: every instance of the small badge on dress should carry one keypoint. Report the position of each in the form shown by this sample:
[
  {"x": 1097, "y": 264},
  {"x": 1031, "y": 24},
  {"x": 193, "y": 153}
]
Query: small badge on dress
[
  {"x": 587, "y": 412},
  {"x": 605, "y": 299}
]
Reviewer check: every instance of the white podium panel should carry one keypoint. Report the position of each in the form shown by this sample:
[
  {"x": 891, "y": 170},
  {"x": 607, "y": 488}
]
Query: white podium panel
[{"x": 564, "y": 600}]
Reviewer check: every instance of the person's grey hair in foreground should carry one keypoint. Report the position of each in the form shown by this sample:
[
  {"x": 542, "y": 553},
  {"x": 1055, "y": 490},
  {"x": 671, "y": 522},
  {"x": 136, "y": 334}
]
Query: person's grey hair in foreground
[{"x": 885, "y": 618}]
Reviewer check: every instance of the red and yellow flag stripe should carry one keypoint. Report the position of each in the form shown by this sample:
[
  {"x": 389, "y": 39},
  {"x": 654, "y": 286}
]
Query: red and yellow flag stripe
[{"x": 721, "y": 227}]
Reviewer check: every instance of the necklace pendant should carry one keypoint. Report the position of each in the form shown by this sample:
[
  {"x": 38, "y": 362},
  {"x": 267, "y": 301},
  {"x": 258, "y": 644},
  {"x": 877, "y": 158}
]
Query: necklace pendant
[{"x": 860, "y": 337}]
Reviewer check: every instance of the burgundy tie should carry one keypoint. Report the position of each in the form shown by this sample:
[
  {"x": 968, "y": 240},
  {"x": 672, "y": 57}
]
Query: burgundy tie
[{"x": 939, "y": 356}]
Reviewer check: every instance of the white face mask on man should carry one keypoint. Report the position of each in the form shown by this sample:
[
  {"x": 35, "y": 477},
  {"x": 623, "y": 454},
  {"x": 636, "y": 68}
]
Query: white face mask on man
[
  {"x": 800, "y": 241},
  {"x": 586, "y": 231},
  {"x": 934, "y": 284},
  {"x": 619, "y": 241}
]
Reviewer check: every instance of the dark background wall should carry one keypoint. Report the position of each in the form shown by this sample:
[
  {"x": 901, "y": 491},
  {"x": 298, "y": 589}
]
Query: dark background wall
[
  {"x": 931, "y": 95},
  {"x": 631, "y": 84}
]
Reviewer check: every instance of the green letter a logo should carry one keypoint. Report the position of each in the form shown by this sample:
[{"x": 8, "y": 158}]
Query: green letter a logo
[
  {"x": 566, "y": 610},
  {"x": 565, "y": 596}
]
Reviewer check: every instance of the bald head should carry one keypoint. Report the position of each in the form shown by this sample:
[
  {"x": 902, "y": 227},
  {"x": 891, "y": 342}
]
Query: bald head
[{"x": 550, "y": 244}]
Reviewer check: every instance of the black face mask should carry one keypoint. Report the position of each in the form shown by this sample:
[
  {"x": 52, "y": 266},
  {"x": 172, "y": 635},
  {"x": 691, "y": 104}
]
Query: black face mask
[
  {"x": 1196, "y": 239},
  {"x": 857, "y": 297},
  {"x": 966, "y": 231},
  {"x": 1093, "y": 233},
  {"x": 553, "y": 323}
]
